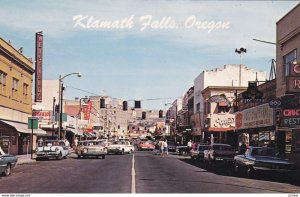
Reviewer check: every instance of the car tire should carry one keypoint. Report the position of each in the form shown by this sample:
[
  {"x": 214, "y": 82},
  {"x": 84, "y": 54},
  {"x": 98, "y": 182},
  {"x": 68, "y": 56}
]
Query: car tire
[
  {"x": 249, "y": 172},
  {"x": 236, "y": 168},
  {"x": 103, "y": 156},
  {"x": 59, "y": 157},
  {"x": 7, "y": 170},
  {"x": 123, "y": 151},
  {"x": 78, "y": 156}
]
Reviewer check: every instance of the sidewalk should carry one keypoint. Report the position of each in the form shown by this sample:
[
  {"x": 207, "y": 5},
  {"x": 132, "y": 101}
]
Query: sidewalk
[{"x": 25, "y": 159}]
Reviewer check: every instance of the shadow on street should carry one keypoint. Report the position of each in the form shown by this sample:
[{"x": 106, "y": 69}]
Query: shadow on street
[{"x": 228, "y": 171}]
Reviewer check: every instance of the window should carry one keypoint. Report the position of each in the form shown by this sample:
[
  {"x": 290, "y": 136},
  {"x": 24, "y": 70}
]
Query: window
[
  {"x": 14, "y": 89},
  {"x": 198, "y": 107},
  {"x": 287, "y": 59},
  {"x": 2, "y": 82},
  {"x": 25, "y": 90}
]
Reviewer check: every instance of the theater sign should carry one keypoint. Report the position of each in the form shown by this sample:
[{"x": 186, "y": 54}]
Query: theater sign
[{"x": 259, "y": 116}]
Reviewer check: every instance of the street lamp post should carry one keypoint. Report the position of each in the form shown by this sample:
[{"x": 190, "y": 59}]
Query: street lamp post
[
  {"x": 60, "y": 100},
  {"x": 240, "y": 51}
]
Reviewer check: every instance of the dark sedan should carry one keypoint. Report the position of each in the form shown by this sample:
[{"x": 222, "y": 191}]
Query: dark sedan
[
  {"x": 7, "y": 162},
  {"x": 171, "y": 146},
  {"x": 261, "y": 159}
]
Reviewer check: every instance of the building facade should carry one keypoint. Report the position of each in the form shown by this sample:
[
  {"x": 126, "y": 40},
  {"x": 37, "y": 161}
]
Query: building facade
[
  {"x": 16, "y": 72},
  {"x": 287, "y": 82},
  {"x": 231, "y": 75}
]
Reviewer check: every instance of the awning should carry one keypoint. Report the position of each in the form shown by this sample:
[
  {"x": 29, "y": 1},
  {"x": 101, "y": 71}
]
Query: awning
[
  {"x": 75, "y": 131},
  {"x": 23, "y": 128}
]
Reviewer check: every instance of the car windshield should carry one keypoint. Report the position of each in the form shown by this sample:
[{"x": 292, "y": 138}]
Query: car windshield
[
  {"x": 222, "y": 147},
  {"x": 201, "y": 148},
  {"x": 268, "y": 152}
]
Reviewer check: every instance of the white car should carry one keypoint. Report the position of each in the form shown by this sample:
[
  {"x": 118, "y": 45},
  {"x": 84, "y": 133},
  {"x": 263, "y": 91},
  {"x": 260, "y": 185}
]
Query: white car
[
  {"x": 120, "y": 147},
  {"x": 52, "y": 149}
]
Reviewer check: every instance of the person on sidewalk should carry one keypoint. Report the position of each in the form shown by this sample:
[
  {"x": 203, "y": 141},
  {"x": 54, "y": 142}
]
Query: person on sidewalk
[
  {"x": 165, "y": 148},
  {"x": 189, "y": 147}
]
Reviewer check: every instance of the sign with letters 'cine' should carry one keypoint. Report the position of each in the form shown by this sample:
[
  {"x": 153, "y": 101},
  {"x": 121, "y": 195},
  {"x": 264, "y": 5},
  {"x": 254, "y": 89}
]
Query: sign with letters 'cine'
[{"x": 293, "y": 81}]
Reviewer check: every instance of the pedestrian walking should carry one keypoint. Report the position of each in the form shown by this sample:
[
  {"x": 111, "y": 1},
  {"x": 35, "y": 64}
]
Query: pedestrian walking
[
  {"x": 165, "y": 148},
  {"x": 67, "y": 143},
  {"x": 76, "y": 142},
  {"x": 189, "y": 146},
  {"x": 161, "y": 147}
]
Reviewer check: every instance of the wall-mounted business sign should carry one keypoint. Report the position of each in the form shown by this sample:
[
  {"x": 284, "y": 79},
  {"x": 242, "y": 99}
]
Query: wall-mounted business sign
[
  {"x": 222, "y": 122},
  {"x": 259, "y": 116},
  {"x": 38, "y": 66},
  {"x": 290, "y": 117},
  {"x": 293, "y": 84}
]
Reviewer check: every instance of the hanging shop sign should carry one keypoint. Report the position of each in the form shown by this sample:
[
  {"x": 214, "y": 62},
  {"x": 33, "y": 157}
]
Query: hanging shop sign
[
  {"x": 293, "y": 80},
  {"x": 252, "y": 94}
]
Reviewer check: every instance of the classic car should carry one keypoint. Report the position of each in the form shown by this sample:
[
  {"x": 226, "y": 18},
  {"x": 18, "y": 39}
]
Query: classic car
[
  {"x": 261, "y": 159},
  {"x": 148, "y": 145},
  {"x": 52, "y": 149},
  {"x": 91, "y": 148},
  {"x": 198, "y": 153},
  {"x": 7, "y": 162},
  {"x": 120, "y": 147},
  {"x": 219, "y": 154}
]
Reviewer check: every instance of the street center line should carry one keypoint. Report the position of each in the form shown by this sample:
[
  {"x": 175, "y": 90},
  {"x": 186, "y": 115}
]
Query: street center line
[{"x": 133, "y": 176}]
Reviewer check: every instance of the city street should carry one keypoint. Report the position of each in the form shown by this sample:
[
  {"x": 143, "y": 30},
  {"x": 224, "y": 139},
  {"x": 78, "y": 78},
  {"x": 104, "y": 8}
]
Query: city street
[{"x": 150, "y": 173}]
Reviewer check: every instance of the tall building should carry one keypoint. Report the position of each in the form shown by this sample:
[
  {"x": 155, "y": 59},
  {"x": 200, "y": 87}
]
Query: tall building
[
  {"x": 288, "y": 83},
  {"x": 16, "y": 72},
  {"x": 231, "y": 75}
]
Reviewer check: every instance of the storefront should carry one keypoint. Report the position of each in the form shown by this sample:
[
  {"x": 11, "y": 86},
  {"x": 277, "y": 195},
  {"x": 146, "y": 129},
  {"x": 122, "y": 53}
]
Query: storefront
[
  {"x": 15, "y": 137},
  {"x": 255, "y": 126},
  {"x": 219, "y": 126}
]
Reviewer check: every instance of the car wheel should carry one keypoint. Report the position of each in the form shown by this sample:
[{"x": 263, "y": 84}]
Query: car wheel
[
  {"x": 236, "y": 168},
  {"x": 103, "y": 156},
  {"x": 59, "y": 157},
  {"x": 130, "y": 152},
  {"x": 122, "y": 153},
  {"x": 78, "y": 156},
  {"x": 7, "y": 170},
  {"x": 249, "y": 172}
]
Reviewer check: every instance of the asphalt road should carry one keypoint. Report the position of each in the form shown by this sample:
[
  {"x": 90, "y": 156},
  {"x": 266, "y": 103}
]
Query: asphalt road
[{"x": 150, "y": 173}]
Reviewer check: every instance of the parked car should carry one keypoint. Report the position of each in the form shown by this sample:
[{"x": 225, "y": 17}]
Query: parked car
[
  {"x": 199, "y": 152},
  {"x": 91, "y": 148},
  {"x": 171, "y": 146},
  {"x": 120, "y": 147},
  {"x": 182, "y": 150},
  {"x": 52, "y": 149},
  {"x": 261, "y": 159},
  {"x": 148, "y": 145},
  {"x": 7, "y": 162},
  {"x": 219, "y": 154}
]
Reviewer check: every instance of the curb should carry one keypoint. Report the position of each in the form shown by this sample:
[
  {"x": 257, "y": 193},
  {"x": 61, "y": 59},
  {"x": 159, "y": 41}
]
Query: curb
[{"x": 27, "y": 161}]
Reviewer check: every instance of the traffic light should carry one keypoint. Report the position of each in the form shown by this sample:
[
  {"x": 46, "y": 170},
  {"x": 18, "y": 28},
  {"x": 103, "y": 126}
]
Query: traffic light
[
  {"x": 143, "y": 115},
  {"x": 102, "y": 103},
  {"x": 277, "y": 117},
  {"x": 160, "y": 113},
  {"x": 137, "y": 104},
  {"x": 125, "y": 106},
  {"x": 57, "y": 108}
]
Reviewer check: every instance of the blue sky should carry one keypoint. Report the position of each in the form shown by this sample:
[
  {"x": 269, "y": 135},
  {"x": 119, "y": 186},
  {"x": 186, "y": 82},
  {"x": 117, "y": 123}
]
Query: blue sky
[{"x": 133, "y": 64}]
